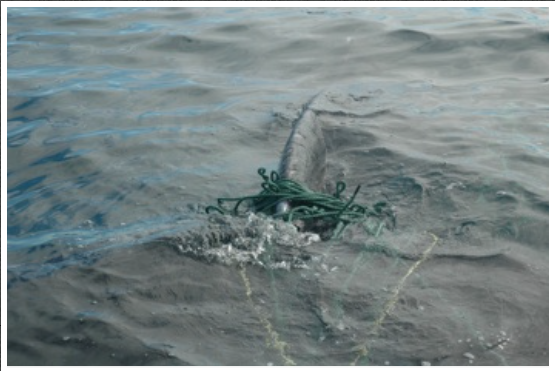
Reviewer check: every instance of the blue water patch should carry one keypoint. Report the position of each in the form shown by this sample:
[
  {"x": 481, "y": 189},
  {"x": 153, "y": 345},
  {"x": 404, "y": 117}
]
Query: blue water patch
[
  {"x": 21, "y": 128},
  {"x": 41, "y": 253}
]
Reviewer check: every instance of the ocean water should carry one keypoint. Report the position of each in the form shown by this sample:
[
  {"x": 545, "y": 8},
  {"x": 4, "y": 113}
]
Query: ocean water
[{"x": 125, "y": 123}]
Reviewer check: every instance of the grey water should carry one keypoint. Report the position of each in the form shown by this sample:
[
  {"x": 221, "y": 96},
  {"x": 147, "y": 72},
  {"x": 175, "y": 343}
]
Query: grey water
[{"x": 124, "y": 123}]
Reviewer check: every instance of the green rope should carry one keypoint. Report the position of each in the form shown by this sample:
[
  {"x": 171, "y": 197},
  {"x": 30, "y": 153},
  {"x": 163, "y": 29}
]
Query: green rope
[{"x": 305, "y": 204}]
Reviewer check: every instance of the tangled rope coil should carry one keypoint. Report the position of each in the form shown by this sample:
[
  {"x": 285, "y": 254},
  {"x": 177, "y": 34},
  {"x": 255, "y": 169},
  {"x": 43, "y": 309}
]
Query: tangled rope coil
[{"x": 305, "y": 204}]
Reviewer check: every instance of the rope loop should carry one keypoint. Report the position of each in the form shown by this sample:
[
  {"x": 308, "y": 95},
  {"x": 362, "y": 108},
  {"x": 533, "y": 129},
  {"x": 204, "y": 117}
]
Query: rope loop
[
  {"x": 304, "y": 204},
  {"x": 339, "y": 188}
]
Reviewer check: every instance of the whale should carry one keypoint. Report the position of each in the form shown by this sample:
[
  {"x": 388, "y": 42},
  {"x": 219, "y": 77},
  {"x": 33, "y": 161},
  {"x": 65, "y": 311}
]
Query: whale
[{"x": 303, "y": 158}]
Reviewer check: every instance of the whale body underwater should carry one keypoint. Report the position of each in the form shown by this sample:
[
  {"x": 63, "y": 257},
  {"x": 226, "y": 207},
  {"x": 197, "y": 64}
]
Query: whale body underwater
[{"x": 304, "y": 156}]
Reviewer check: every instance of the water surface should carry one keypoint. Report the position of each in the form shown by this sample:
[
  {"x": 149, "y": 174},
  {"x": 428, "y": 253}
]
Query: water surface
[{"x": 124, "y": 123}]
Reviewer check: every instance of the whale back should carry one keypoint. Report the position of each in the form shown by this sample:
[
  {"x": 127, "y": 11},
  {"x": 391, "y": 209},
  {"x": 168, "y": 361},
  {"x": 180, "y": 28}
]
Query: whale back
[{"x": 304, "y": 156}]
